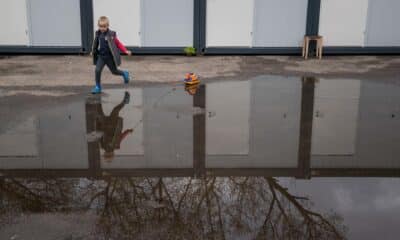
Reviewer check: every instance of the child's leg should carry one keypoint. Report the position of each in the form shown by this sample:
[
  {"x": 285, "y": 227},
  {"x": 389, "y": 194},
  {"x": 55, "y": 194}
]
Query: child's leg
[
  {"x": 114, "y": 70},
  {"x": 117, "y": 109},
  {"x": 99, "y": 68}
]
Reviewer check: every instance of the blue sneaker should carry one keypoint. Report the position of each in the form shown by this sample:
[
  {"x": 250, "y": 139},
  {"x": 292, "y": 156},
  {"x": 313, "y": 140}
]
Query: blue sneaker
[
  {"x": 126, "y": 77},
  {"x": 96, "y": 90}
]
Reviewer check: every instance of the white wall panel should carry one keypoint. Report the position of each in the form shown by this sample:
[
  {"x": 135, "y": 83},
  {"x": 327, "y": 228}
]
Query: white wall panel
[
  {"x": 343, "y": 22},
  {"x": 229, "y": 23},
  {"x": 14, "y": 30},
  {"x": 279, "y": 23},
  {"x": 382, "y": 24},
  {"x": 124, "y": 18},
  {"x": 55, "y": 22},
  {"x": 167, "y": 23}
]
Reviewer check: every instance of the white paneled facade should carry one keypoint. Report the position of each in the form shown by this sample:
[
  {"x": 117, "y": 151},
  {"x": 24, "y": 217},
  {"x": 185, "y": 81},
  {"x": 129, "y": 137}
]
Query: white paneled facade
[
  {"x": 150, "y": 23},
  {"x": 229, "y": 26},
  {"x": 279, "y": 23},
  {"x": 255, "y": 23},
  {"x": 15, "y": 11},
  {"x": 342, "y": 23},
  {"x": 382, "y": 23},
  {"x": 360, "y": 23},
  {"x": 167, "y": 23},
  {"x": 55, "y": 23},
  {"x": 124, "y": 18},
  {"x": 41, "y": 23},
  {"x": 245, "y": 25}
]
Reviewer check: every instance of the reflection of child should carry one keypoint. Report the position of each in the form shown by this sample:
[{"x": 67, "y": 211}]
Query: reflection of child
[{"x": 111, "y": 127}]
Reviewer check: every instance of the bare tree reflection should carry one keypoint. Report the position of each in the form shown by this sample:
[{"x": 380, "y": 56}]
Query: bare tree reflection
[
  {"x": 37, "y": 195},
  {"x": 179, "y": 208}
]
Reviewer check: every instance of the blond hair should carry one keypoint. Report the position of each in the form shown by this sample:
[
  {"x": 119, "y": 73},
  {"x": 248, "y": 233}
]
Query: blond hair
[{"x": 103, "y": 20}]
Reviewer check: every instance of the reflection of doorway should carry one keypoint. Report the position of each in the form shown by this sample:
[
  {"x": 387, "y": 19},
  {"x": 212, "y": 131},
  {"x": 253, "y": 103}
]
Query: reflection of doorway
[
  {"x": 275, "y": 121},
  {"x": 19, "y": 146},
  {"x": 335, "y": 117},
  {"x": 228, "y": 129}
]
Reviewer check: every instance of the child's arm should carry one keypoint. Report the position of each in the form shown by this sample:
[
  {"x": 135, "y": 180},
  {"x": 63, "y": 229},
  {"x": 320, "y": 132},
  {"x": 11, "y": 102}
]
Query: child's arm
[
  {"x": 95, "y": 44},
  {"x": 121, "y": 46}
]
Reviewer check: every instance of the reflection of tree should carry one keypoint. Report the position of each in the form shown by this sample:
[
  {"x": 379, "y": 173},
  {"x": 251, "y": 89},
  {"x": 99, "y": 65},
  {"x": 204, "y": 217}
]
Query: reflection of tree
[
  {"x": 297, "y": 222},
  {"x": 182, "y": 208},
  {"x": 37, "y": 195}
]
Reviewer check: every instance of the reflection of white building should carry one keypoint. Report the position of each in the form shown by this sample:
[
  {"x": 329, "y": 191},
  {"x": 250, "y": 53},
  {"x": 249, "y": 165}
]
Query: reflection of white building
[
  {"x": 250, "y": 127},
  {"x": 26, "y": 152},
  {"x": 369, "y": 130},
  {"x": 51, "y": 140},
  {"x": 336, "y": 104},
  {"x": 227, "y": 132},
  {"x": 256, "y": 124}
]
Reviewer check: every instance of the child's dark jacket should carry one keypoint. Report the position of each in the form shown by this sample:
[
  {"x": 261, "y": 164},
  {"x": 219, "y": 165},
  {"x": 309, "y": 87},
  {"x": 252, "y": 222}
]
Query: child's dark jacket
[{"x": 114, "y": 44}]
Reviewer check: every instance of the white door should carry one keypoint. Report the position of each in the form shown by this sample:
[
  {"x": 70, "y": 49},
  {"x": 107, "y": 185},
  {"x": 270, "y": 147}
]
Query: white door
[
  {"x": 55, "y": 22},
  {"x": 343, "y": 23},
  {"x": 229, "y": 23},
  {"x": 382, "y": 24},
  {"x": 14, "y": 30},
  {"x": 279, "y": 23},
  {"x": 124, "y": 18},
  {"x": 167, "y": 23}
]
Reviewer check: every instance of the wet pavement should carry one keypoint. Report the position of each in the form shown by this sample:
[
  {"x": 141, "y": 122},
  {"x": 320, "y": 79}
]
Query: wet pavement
[{"x": 265, "y": 158}]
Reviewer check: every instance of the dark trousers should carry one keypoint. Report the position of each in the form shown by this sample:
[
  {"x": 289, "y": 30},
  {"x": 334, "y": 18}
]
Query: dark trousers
[{"x": 101, "y": 62}]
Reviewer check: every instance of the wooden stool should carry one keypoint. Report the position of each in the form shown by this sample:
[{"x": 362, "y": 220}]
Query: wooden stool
[{"x": 306, "y": 44}]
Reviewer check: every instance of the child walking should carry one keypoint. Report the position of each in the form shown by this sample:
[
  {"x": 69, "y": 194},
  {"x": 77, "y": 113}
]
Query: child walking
[{"x": 106, "y": 51}]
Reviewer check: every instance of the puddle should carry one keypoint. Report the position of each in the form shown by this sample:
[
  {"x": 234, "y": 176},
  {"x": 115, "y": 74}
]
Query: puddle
[{"x": 268, "y": 158}]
